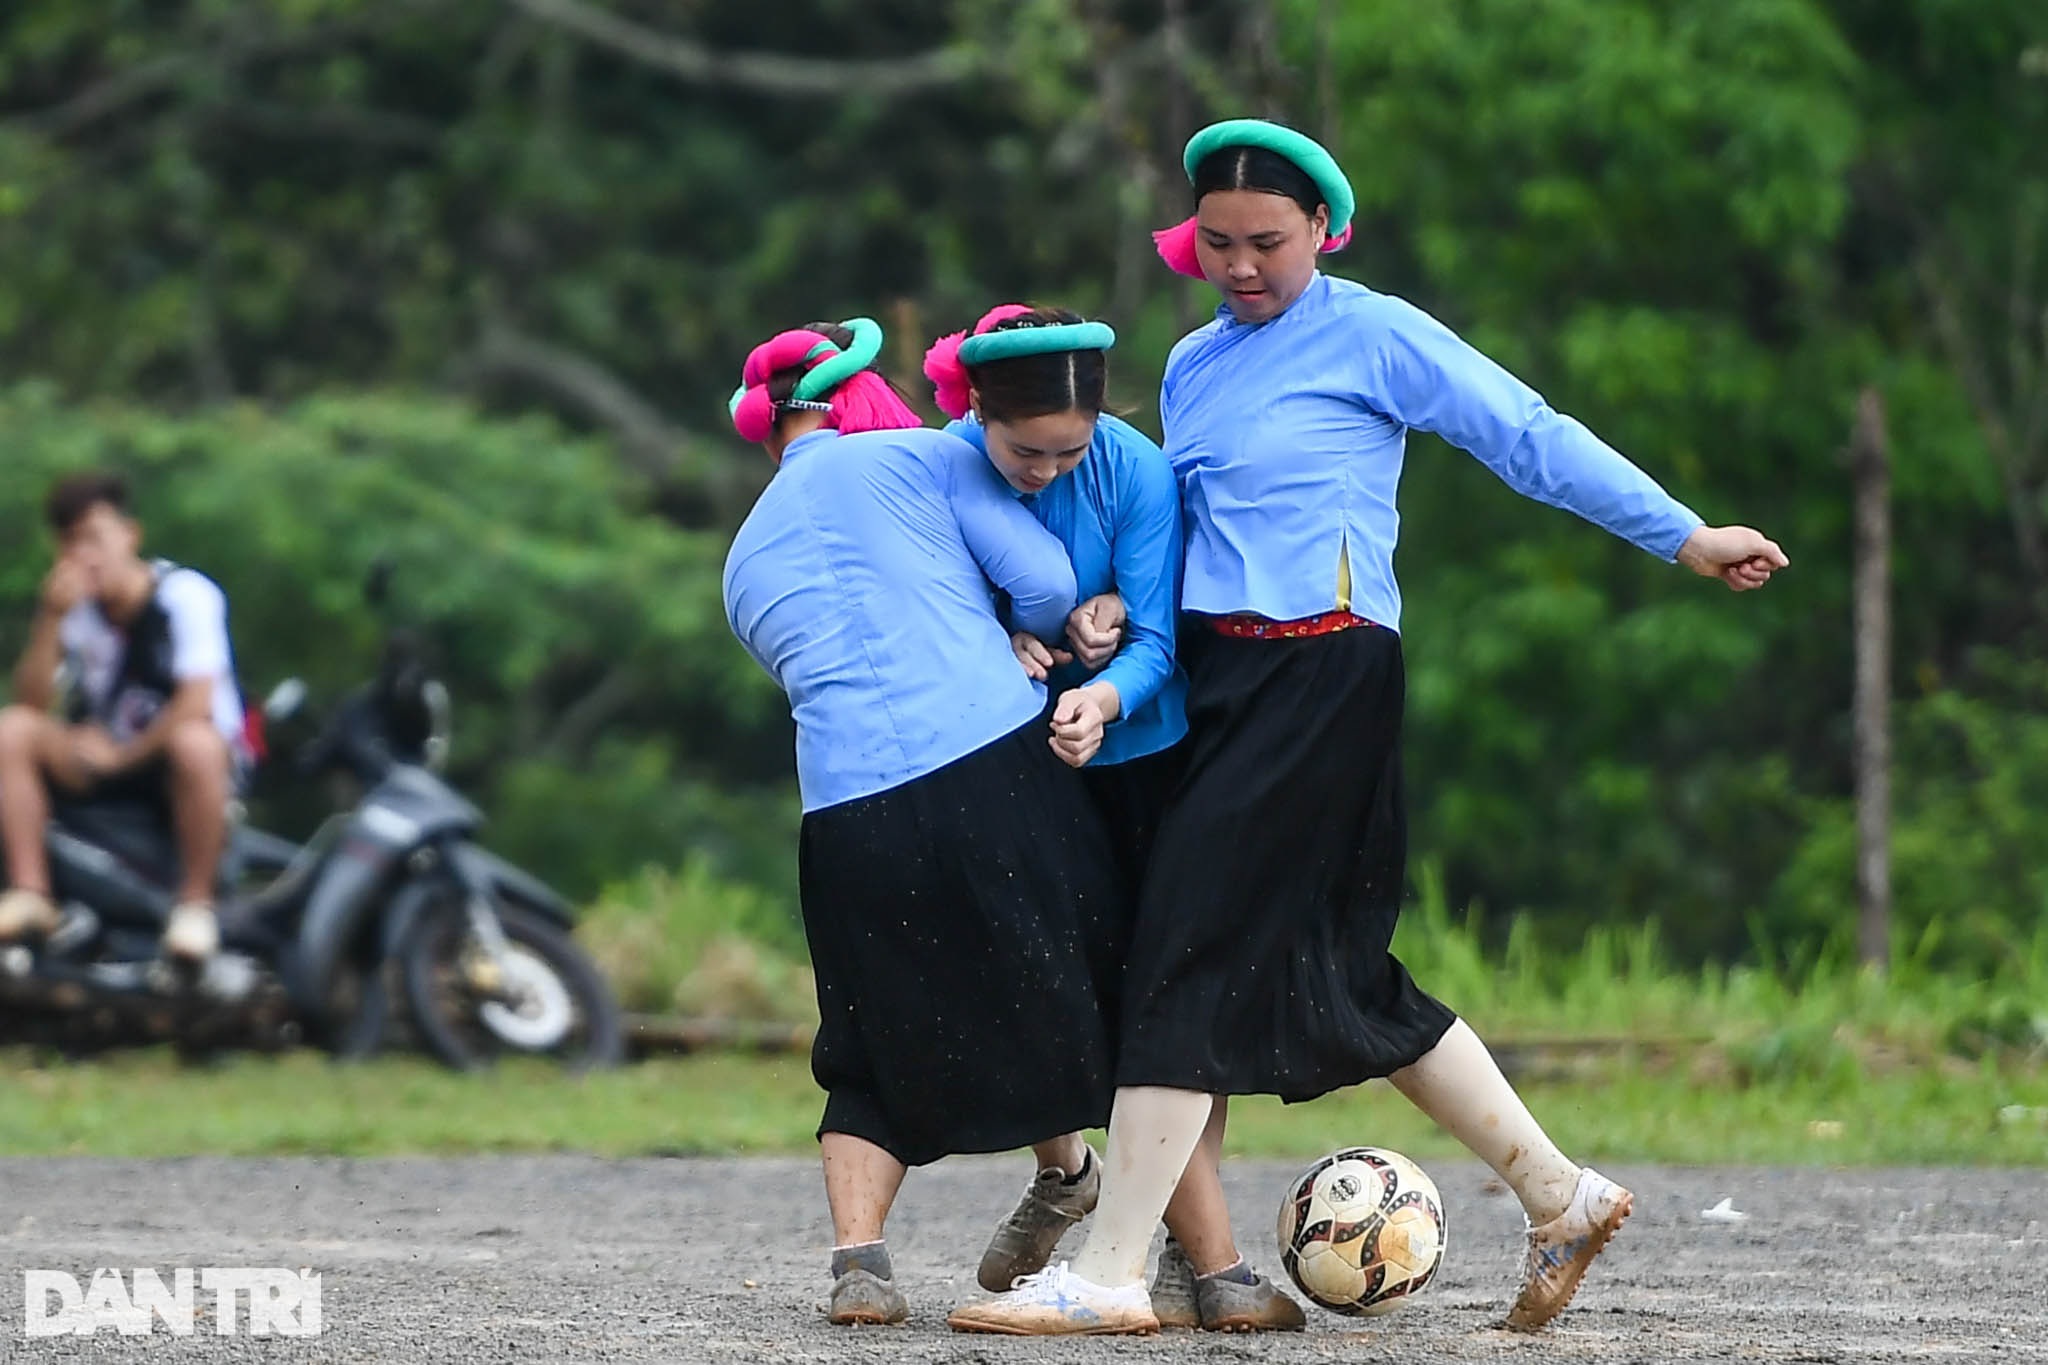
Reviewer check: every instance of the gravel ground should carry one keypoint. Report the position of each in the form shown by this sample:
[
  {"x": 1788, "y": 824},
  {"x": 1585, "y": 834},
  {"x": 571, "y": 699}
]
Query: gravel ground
[{"x": 572, "y": 1259}]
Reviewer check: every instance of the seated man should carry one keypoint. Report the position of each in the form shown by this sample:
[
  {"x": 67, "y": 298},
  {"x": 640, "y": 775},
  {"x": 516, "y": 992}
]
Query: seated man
[{"x": 160, "y": 717}]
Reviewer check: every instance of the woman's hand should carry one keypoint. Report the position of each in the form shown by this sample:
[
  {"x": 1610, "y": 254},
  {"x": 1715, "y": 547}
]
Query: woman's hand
[
  {"x": 1738, "y": 556},
  {"x": 1039, "y": 658},
  {"x": 1096, "y": 630},
  {"x": 1078, "y": 720}
]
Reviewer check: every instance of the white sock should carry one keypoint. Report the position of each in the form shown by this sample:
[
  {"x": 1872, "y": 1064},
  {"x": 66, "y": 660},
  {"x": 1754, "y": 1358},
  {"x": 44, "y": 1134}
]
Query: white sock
[
  {"x": 1458, "y": 1084},
  {"x": 1152, "y": 1133}
]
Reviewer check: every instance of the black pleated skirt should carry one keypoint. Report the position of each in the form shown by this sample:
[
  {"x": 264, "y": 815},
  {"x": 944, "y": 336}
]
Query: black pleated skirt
[
  {"x": 1132, "y": 797},
  {"x": 967, "y": 930},
  {"x": 1259, "y": 962}
]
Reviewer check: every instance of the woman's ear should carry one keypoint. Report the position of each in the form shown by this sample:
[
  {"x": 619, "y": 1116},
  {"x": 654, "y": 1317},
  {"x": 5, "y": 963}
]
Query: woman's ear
[
  {"x": 1320, "y": 224},
  {"x": 974, "y": 402}
]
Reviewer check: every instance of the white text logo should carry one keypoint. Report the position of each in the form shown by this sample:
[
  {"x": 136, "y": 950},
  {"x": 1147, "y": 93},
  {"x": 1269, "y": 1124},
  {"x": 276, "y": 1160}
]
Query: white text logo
[{"x": 283, "y": 1303}]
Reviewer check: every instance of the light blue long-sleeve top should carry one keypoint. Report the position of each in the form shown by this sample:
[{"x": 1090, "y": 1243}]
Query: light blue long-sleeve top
[
  {"x": 1287, "y": 437},
  {"x": 1118, "y": 514},
  {"x": 864, "y": 582}
]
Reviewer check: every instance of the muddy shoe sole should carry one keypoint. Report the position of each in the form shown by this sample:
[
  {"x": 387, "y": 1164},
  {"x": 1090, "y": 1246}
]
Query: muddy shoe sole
[
  {"x": 1134, "y": 1329},
  {"x": 1259, "y": 1307},
  {"x": 860, "y": 1299},
  {"x": 1521, "y": 1319}
]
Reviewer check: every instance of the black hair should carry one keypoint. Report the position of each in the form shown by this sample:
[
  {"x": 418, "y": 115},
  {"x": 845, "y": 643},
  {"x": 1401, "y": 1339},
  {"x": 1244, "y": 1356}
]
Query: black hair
[
  {"x": 782, "y": 384},
  {"x": 74, "y": 495},
  {"x": 1033, "y": 385},
  {"x": 1255, "y": 168}
]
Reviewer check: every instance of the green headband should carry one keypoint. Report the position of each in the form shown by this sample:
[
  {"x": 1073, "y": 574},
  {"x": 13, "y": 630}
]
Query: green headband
[
  {"x": 1011, "y": 342},
  {"x": 1304, "y": 151},
  {"x": 844, "y": 365},
  {"x": 828, "y": 375},
  {"x": 732, "y": 405}
]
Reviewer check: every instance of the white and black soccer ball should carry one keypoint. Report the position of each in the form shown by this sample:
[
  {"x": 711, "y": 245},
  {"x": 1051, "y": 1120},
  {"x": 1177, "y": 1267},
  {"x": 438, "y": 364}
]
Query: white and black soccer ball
[{"x": 1362, "y": 1231}]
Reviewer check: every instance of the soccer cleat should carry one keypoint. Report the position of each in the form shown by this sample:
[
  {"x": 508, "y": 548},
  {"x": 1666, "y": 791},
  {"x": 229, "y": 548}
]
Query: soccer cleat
[
  {"x": 27, "y": 914},
  {"x": 1218, "y": 1304},
  {"x": 191, "y": 934},
  {"x": 863, "y": 1299},
  {"x": 1025, "y": 1240},
  {"x": 1057, "y": 1302},
  {"x": 1230, "y": 1306},
  {"x": 1174, "y": 1300},
  {"x": 1562, "y": 1250}
]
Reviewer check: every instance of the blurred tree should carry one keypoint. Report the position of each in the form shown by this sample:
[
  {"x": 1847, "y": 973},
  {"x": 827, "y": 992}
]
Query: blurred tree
[
  {"x": 591, "y": 693},
  {"x": 1669, "y": 217},
  {"x": 1701, "y": 225}
]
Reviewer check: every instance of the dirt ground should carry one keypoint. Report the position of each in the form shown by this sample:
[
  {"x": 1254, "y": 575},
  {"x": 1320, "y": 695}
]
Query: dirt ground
[{"x": 578, "y": 1259}]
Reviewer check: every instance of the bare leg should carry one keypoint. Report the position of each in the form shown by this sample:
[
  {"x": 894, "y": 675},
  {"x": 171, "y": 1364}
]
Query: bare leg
[
  {"x": 1153, "y": 1131},
  {"x": 29, "y": 740},
  {"x": 1067, "y": 1153},
  {"x": 1458, "y": 1084},
  {"x": 861, "y": 1181},
  {"x": 1197, "y": 1215},
  {"x": 197, "y": 771}
]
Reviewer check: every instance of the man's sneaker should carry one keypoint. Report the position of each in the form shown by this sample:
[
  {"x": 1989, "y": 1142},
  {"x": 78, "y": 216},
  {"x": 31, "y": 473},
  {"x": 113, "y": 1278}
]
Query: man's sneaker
[
  {"x": 1025, "y": 1240},
  {"x": 1173, "y": 1289},
  {"x": 861, "y": 1299},
  {"x": 191, "y": 934},
  {"x": 27, "y": 914},
  {"x": 1232, "y": 1306},
  {"x": 1562, "y": 1250},
  {"x": 1057, "y": 1302}
]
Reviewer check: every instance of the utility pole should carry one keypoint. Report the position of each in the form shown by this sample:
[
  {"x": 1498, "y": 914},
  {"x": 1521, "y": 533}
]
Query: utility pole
[{"x": 1870, "y": 474}]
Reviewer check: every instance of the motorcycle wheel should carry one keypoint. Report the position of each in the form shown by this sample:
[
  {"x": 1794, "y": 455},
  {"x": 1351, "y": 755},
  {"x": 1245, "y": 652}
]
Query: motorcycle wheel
[{"x": 558, "y": 1004}]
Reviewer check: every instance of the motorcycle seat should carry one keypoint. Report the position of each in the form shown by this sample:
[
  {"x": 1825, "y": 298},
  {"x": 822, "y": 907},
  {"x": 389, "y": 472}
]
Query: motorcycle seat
[{"x": 138, "y": 833}]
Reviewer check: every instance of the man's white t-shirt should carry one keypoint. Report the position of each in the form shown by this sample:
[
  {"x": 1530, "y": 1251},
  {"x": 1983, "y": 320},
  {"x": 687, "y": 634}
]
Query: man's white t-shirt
[{"x": 128, "y": 676}]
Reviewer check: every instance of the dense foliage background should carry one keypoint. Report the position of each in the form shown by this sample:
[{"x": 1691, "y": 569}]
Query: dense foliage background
[{"x": 466, "y": 282}]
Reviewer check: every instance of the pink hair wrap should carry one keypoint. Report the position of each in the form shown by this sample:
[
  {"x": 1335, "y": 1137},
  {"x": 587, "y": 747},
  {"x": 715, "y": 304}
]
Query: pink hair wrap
[
  {"x": 862, "y": 402},
  {"x": 942, "y": 362}
]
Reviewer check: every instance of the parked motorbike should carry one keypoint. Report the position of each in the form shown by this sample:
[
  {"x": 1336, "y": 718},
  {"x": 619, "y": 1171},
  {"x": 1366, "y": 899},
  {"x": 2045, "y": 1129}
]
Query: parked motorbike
[
  {"x": 392, "y": 886},
  {"x": 113, "y": 867}
]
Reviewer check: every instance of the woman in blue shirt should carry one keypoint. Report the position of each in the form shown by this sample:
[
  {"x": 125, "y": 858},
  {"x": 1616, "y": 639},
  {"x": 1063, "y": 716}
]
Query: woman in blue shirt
[
  {"x": 960, "y": 968},
  {"x": 1260, "y": 963},
  {"x": 1027, "y": 389}
]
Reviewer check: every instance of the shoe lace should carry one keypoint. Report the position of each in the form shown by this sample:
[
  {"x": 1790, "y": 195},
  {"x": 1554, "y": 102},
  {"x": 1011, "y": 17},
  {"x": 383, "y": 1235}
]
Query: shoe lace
[{"x": 1051, "y": 1281}]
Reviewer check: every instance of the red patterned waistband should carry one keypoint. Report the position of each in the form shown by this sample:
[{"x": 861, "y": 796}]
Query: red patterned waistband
[{"x": 1249, "y": 627}]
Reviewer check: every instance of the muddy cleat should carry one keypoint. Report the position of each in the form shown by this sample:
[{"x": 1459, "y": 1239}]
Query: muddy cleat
[
  {"x": 1562, "y": 1250},
  {"x": 192, "y": 934},
  {"x": 1173, "y": 1290},
  {"x": 1231, "y": 1305},
  {"x": 1057, "y": 1302},
  {"x": 1025, "y": 1240},
  {"x": 27, "y": 914},
  {"x": 863, "y": 1299},
  {"x": 1223, "y": 1302}
]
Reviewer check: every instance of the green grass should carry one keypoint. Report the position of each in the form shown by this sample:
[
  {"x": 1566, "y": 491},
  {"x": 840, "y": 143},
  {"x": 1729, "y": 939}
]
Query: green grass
[
  {"x": 145, "y": 1104},
  {"x": 1791, "y": 1008},
  {"x": 694, "y": 944},
  {"x": 1797, "y": 1057}
]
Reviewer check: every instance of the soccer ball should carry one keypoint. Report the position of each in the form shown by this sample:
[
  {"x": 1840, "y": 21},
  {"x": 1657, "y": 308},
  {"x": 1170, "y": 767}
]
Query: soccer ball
[{"x": 1362, "y": 1231}]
